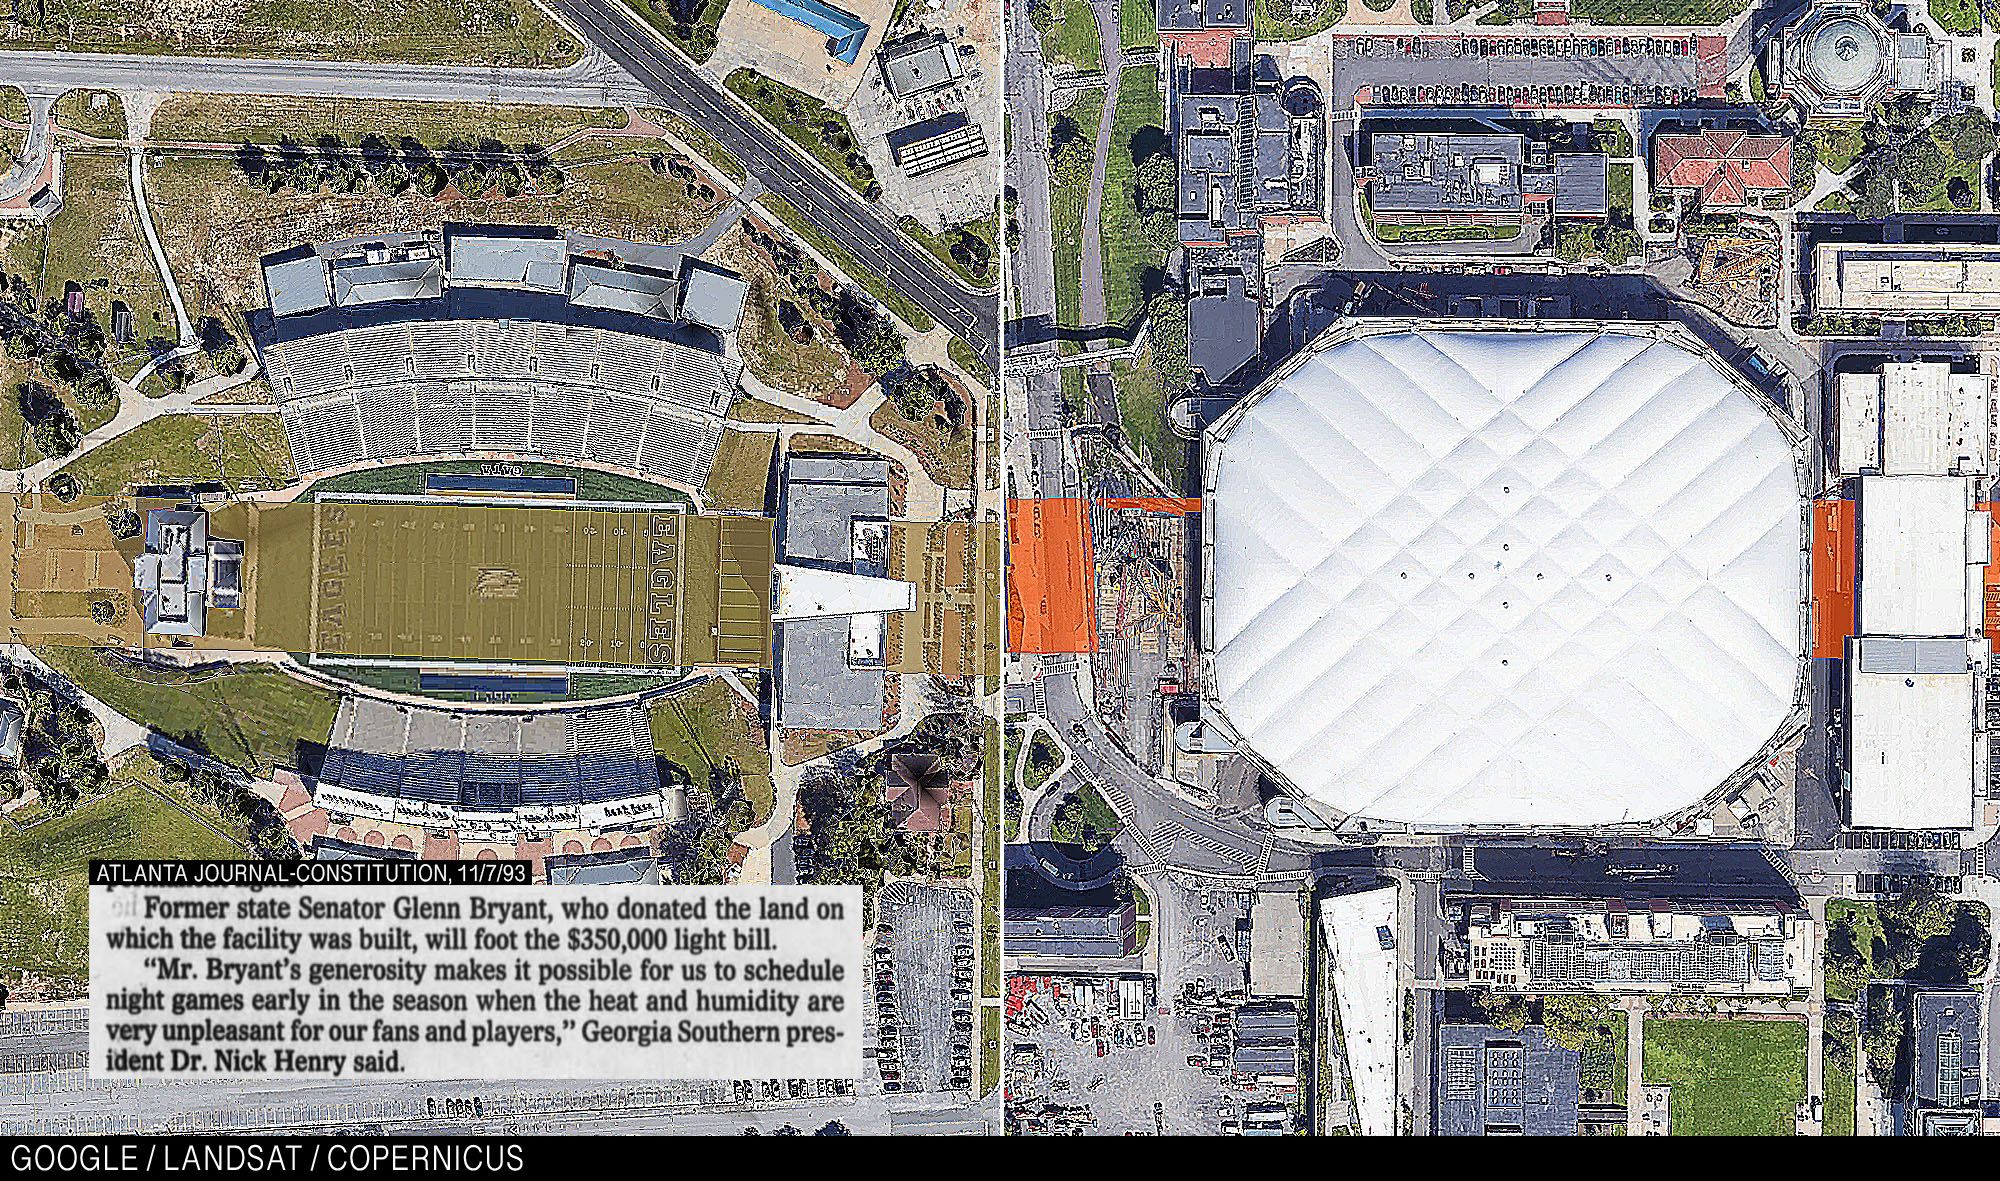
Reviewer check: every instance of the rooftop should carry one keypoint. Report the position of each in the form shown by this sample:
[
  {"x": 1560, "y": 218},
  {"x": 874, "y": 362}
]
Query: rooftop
[{"x": 1487, "y": 575}]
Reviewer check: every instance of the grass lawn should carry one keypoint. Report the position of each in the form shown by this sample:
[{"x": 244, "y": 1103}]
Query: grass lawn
[
  {"x": 407, "y": 479},
  {"x": 1955, "y": 16},
  {"x": 98, "y": 113},
  {"x": 704, "y": 727},
  {"x": 1273, "y": 20},
  {"x": 899, "y": 305},
  {"x": 1839, "y": 145},
  {"x": 967, "y": 359},
  {"x": 1142, "y": 409},
  {"x": 1618, "y": 179},
  {"x": 96, "y": 243},
  {"x": 989, "y": 1049},
  {"x": 821, "y": 131},
  {"x": 991, "y": 804},
  {"x": 1069, "y": 36},
  {"x": 947, "y": 457},
  {"x": 695, "y": 35},
  {"x": 940, "y": 246},
  {"x": 1069, "y": 187},
  {"x": 1729, "y": 1077},
  {"x": 1138, "y": 24},
  {"x": 472, "y": 32},
  {"x": 1866, "y": 923},
  {"x": 1129, "y": 256},
  {"x": 13, "y": 109},
  {"x": 701, "y": 141},
  {"x": 264, "y": 119},
  {"x": 244, "y": 451},
  {"x": 254, "y": 717},
  {"x": 44, "y": 869},
  {"x": 1656, "y": 12},
  {"x": 742, "y": 470}
]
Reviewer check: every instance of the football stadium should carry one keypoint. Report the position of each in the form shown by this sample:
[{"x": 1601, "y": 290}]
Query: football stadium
[
  {"x": 496, "y": 572},
  {"x": 1481, "y": 574}
]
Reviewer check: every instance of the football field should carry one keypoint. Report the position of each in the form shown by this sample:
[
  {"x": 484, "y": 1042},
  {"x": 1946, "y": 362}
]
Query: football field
[{"x": 575, "y": 585}]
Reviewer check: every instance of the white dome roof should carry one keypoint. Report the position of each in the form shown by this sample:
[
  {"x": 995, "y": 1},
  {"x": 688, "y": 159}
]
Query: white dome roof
[{"x": 1505, "y": 577}]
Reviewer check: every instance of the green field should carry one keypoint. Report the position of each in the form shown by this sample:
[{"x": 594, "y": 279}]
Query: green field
[
  {"x": 1131, "y": 254},
  {"x": 265, "y": 119},
  {"x": 253, "y": 717},
  {"x": 1069, "y": 188},
  {"x": 408, "y": 480},
  {"x": 898, "y": 304},
  {"x": 823, "y": 132},
  {"x": 244, "y": 451},
  {"x": 44, "y": 891},
  {"x": 491, "y": 32},
  {"x": 1069, "y": 35},
  {"x": 1729, "y": 1077},
  {"x": 1274, "y": 20},
  {"x": 707, "y": 727}
]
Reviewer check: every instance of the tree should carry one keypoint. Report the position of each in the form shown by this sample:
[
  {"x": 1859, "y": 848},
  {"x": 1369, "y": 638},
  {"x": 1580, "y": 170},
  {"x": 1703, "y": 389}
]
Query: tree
[{"x": 1919, "y": 170}]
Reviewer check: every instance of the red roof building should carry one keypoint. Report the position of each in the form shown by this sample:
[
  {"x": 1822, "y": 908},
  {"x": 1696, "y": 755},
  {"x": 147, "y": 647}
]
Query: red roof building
[{"x": 1727, "y": 169}]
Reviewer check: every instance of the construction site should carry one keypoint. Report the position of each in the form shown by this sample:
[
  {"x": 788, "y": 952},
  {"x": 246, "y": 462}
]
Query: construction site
[{"x": 1141, "y": 666}]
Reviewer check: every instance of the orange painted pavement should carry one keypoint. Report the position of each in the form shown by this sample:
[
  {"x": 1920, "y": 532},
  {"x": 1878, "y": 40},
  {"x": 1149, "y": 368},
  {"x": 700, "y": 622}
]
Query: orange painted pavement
[
  {"x": 1993, "y": 578},
  {"x": 1155, "y": 504},
  {"x": 1833, "y": 560},
  {"x": 1051, "y": 578}
]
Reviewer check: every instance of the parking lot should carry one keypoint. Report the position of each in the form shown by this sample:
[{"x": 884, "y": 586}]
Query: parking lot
[
  {"x": 1083, "y": 1056},
  {"x": 1515, "y": 71},
  {"x": 920, "y": 990}
]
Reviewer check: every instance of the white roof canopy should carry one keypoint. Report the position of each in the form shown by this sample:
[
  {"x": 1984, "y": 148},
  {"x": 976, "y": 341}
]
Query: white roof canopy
[{"x": 1504, "y": 577}]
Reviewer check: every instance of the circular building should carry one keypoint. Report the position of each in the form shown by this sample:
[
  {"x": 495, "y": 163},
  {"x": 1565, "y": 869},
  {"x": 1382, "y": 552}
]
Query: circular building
[
  {"x": 1840, "y": 59},
  {"x": 1480, "y": 574}
]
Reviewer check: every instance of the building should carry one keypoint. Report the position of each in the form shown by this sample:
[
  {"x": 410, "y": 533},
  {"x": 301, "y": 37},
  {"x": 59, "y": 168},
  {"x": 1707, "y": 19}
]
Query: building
[
  {"x": 1061, "y": 907},
  {"x": 936, "y": 143},
  {"x": 183, "y": 572},
  {"x": 1723, "y": 169},
  {"x": 1949, "y": 1052},
  {"x": 1266, "y": 1053},
  {"x": 917, "y": 790},
  {"x": 832, "y": 601},
  {"x": 1422, "y": 178},
  {"x": 530, "y": 272},
  {"x": 13, "y": 729},
  {"x": 918, "y": 64},
  {"x": 1224, "y": 325},
  {"x": 378, "y": 272},
  {"x": 1487, "y": 1081},
  {"x": 1278, "y": 948},
  {"x": 1905, "y": 278},
  {"x": 530, "y": 258},
  {"x": 845, "y": 32},
  {"x": 1432, "y": 596},
  {"x": 1913, "y": 440},
  {"x": 1365, "y": 975},
  {"x": 1840, "y": 59},
  {"x": 1572, "y": 945}
]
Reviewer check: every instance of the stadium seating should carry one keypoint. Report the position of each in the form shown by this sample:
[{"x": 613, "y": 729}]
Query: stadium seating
[{"x": 561, "y": 391}]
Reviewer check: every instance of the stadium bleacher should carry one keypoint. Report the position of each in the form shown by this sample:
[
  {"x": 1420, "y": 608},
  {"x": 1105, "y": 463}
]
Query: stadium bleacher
[
  {"x": 490, "y": 761},
  {"x": 577, "y": 392}
]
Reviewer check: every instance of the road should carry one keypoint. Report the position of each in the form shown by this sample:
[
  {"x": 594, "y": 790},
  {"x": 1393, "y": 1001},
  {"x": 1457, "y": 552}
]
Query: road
[
  {"x": 783, "y": 170},
  {"x": 629, "y": 66},
  {"x": 593, "y": 81}
]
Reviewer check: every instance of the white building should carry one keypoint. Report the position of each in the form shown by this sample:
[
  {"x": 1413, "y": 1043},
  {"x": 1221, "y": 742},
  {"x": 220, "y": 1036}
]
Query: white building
[
  {"x": 1486, "y": 574},
  {"x": 1915, "y": 435}
]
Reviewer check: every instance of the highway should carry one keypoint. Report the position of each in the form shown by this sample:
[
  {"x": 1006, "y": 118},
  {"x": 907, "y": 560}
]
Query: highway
[
  {"x": 629, "y": 66},
  {"x": 785, "y": 171},
  {"x": 593, "y": 81}
]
